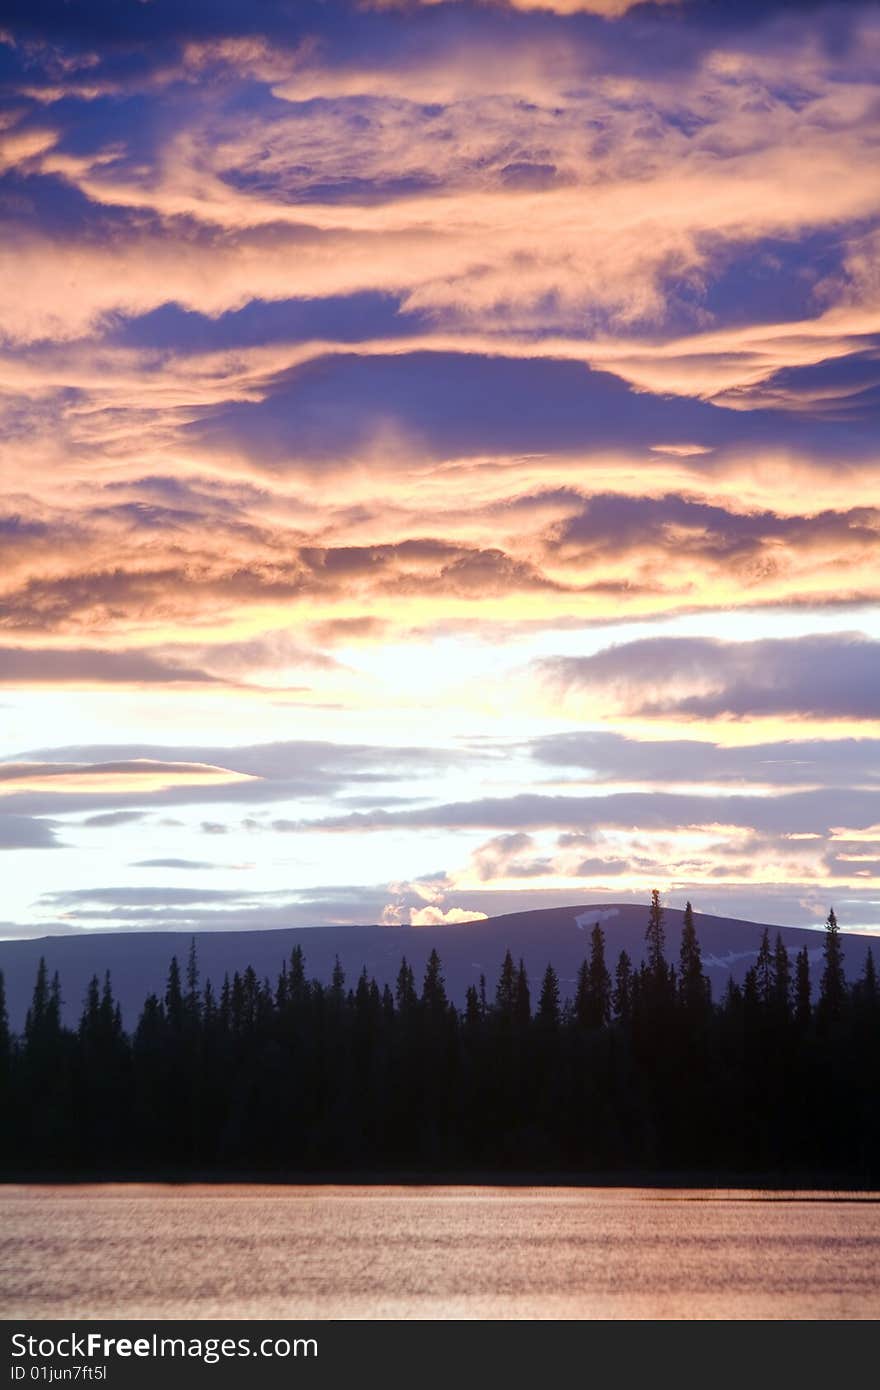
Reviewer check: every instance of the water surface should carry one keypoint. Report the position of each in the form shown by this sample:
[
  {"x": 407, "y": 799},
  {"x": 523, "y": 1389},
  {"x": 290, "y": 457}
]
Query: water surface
[{"x": 150, "y": 1251}]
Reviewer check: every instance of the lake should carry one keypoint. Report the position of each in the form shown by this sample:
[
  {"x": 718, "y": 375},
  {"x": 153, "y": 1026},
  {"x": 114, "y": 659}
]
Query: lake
[{"x": 242, "y": 1251}]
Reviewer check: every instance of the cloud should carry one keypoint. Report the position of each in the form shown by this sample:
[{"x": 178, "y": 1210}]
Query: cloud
[
  {"x": 168, "y": 774},
  {"x": 136, "y": 897},
  {"x": 111, "y": 818},
  {"x": 39, "y": 666},
  {"x": 828, "y": 676},
  {"x": 23, "y": 832},
  {"x": 138, "y": 774},
  {"x": 502, "y": 857},
  {"x": 435, "y": 917},
  {"x": 350, "y": 351},
  {"x": 790, "y": 813},
  {"x": 171, "y": 863},
  {"x": 603, "y": 757}
]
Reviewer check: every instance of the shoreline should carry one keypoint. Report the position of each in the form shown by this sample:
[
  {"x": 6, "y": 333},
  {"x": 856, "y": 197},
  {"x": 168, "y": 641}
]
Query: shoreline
[{"x": 824, "y": 1183}]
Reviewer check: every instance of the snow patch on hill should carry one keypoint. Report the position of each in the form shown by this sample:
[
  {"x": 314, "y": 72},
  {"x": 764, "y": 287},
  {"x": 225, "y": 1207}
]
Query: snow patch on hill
[{"x": 598, "y": 914}]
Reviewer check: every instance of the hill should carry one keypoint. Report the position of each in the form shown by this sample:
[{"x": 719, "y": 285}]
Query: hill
[{"x": 138, "y": 961}]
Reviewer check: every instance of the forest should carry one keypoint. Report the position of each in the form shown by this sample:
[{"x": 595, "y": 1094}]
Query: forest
[{"x": 639, "y": 1072}]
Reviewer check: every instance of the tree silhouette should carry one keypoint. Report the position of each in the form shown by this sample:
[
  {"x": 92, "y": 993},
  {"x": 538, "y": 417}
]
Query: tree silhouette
[
  {"x": 299, "y": 1076},
  {"x": 832, "y": 988},
  {"x": 522, "y": 1004},
  {"x": 174, "y": 1011},
  {"x": 782, "y": 980},
  {"x": 693, "y": 987},
  {"x": 599, "y": 981},
  {"x": 655, "y": 937},
  {"x": 623, "y": 985},
  {"x": 802, "y": 991},
  {"x": 405, "y": 992},
  {"x": 505, "y": 990},
  {"x": 5, "y": 1040},
  {"x": 548, "y": 1001},
  {"x": 765, "y": 973},
  {"x": 434, "y": 986}
]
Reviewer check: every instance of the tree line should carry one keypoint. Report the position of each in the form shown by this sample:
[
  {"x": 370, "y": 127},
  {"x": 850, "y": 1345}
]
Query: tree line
[{"x": 639, "y": 1072}]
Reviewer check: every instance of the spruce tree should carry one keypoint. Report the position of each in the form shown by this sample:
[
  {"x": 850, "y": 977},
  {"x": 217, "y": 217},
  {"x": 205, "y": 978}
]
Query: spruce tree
[
  {"x": 659, "y": 980},
  {"x": 225, "y": 1010},
  {"x": 765, "y": 974},
  {"x": 405, "y": 992},
  {"x": 209, "y": 1007},
  {"x": 655, "y": 937},
  {"x": 174, "y": 997},
  {"x": 505, "y": 990},
  {"x": 297, "y": 987},
  {"x": 802, "y": 991},
  {"x": 623, "y": 980},
  {"x": 192, "y": 1002},
  {"x": 337, "y": 983},
  {"x": 109, "y": 1013},
  {"x": 582, "y": 1010},
  {"x": 522, "y": 1004},
  {"x": 35, "y": 1021},
  {"x": 473, "y": 1014},
  {"x": 782, "y": 975},
  {"x": 692, "y": 983},
  {"x": 600, "y": 981},
  {"x": 832, "y": 988},
  {"x": 868, "y": 985},
  {"x": 548, "y": 1001},
  {"x": 89, "y": 1024},
  {"x": 434, "y": 986},
  {"x": 5, "y": 1036},
  {"x": 55, "y": 1002}
]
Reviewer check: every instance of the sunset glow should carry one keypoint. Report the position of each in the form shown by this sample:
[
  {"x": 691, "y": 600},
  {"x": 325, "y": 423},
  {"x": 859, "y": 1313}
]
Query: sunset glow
[{"x": 440, "y": 461}]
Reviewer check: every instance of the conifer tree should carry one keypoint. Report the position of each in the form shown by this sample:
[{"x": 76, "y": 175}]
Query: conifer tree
[
  {"x": 35, "y": 1021},
  {"x": 782, "y": 976},
  {"x": 765, "y": 974},
  {"x": 692, "y": 983},
  {"x": 599, "y": 981},
  {"x": 623, "y": 978},
  {"x": 655, "y": 936},
  {"x": 337, "y": 982},
  {"x": 522, "y": 1005},
  {"x": 505, "y": 990},
  {"x": 582, "y": 995},
  {"x": 89, "y": 1023},
  {"x": 237, "y": 1005},
  {"x": 832, "y": 988},
  {"x": 868, "y": 985},
  {"x": 209, "y": 1007},
  {"x": 473, "y": 1014},
  {"x": 802, "y": 991},
  {"x": 296, "y": 979},
  {"x": 548, "y": 1002},
  {"x": 109, "y": 1013},
  {"x": 174, "y": 997},
  {"x": 5, "y": 1037},
  {"x": 657, "y": 984},
  {"x": 192, "y": 1002},
  {"x": 751, "y": 996},
  {"x": 434, "y": 986},
  {"x": 225, "y": 1010},
  {"x": 405, "y": 992},
  {"x": 55, "y": 1002},
  {"x": 282, "y": 989}
]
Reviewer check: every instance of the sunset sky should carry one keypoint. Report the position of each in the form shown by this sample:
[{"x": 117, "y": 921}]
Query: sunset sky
[{"x": 440, "y": 460}]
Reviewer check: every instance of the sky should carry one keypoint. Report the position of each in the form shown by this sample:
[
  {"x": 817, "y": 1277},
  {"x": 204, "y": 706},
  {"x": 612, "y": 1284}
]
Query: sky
[{"x": 440, "y": 460}]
